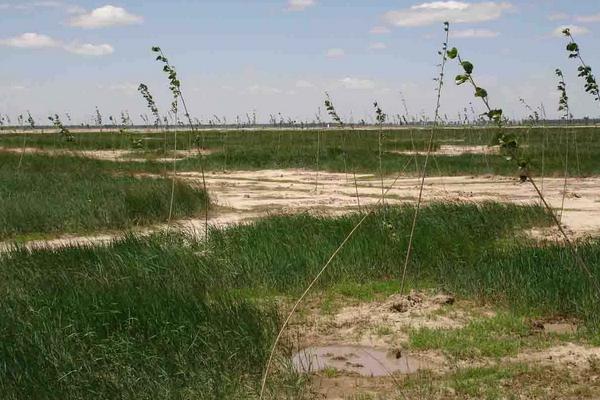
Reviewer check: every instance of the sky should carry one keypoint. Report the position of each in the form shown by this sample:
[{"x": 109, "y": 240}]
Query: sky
[{"x": 281, "y": 56}]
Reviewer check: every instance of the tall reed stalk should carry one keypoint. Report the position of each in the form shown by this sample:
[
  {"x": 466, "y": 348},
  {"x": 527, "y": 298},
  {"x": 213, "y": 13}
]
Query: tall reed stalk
[{"x": 443, "y": 53}]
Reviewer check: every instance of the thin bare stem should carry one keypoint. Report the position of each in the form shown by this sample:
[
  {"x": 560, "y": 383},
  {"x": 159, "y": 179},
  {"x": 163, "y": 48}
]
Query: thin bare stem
[{"x": 429, "y": 148}]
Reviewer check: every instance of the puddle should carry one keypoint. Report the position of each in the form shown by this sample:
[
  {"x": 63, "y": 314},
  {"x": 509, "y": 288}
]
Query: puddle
[{"x": 362, "y": 360}]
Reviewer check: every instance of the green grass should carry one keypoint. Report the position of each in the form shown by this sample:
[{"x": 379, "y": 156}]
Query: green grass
[
  {"x": 505, "y": 381},
  {"x": 166, "y": 317},
  {"x": 131, "y": 321},
  {"x": 505, "y": 334},
  {"x": 54, "y": 195},
  {"x": 347, "y": 150}
]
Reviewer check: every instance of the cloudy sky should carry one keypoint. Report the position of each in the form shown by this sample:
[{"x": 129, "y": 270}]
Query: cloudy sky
[{"x": 280, "y": 56}]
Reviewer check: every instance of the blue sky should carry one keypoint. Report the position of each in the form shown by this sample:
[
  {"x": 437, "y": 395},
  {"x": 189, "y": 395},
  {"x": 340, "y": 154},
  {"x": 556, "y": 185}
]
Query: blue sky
[{"x": 280, "y": 56}]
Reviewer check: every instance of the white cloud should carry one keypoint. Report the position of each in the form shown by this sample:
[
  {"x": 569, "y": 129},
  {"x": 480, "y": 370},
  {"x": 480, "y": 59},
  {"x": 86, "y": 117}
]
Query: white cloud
[
  {"x": 302, "y": 84},
  {"x": 357, "y": 84},
  {"x": 35, "y": 5},
  {"x": 123, "y": 87},
  {"x": 335, "y": 53},
  {"x": 262, "y": 90},
  {"x": 452, "y": 11},
  {"x": 38, "y": 41},
  {"x": 588, "y": 18},
  {"x": 474, "y": 33},
  {"x": 378, "y": 46},
  {"x": 379, "y": 30},
  {"x": 88, "y": 49},
  {"x": 300, "y": 5},
  {"x": 575, "y": 30},
  {"x": 558, "y": 16},
  {"x": 30, "y": 40},
  {"x": 105, "y": 16}
]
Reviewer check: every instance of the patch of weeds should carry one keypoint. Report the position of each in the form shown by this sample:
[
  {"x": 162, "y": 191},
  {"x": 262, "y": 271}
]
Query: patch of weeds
[
  {"x": 330, "y": 372},
  {"x": 510, "y": 381},
  {"x": 384, "y": 330},
  {"x": 502, "y": 335},
  {"x": 330, "y": 304},
  {"x": 484, "y": 383}
]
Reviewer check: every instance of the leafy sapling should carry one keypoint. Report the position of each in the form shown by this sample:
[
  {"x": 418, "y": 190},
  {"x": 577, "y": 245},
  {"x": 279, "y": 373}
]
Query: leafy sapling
[
  {"x": 150, "y": 103},
  {"x": 331, "y": 110},
  {"x": 510, "y": 144},
  {"x": 563, "y": 103},
  {"x": 563, "y": 106},
  {"x": 380, "y": 117},
  {"x": 62, "y": 130},
  {"x": 507, "y": 141},
  {"x": 585, "y": 71},
  {"x": 534, "y": 115},
  {"x": 175, "y": 88},
  {"x": 98, "y": 118},
  {"x": 30, "y": 120}
]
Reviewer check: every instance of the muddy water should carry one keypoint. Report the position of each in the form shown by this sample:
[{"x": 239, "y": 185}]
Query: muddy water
[{"x": 362, "y": 360}]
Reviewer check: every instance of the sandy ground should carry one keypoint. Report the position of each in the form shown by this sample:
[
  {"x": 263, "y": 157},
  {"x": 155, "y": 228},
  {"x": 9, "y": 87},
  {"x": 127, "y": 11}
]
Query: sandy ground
[
  {"x": 118, "y": 155},
  {"x": 347, "y": 347},
  {"x": 455, "y": 150},
  {"x": 244, "y": 195},
  {"x": 298, "y": 190}
]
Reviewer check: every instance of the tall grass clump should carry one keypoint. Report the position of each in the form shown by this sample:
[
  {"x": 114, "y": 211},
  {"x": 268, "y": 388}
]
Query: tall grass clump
[
  {"x": 476, "y": 250},
  {"x": 57, "y": 195},
  {"x": 132, "y": 321}
]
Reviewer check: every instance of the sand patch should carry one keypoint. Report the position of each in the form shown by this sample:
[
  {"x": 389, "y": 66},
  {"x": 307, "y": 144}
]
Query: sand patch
[
  {"x": 118, "y": 155},
  {"x": 453, "y": 150},
  {"x": 294, "y": 190},
  {"x": 569, "y": 355},
  {"x": 382, "y": 325}
]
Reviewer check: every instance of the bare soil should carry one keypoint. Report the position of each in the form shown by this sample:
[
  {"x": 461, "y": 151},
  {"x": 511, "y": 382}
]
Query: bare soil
[
  {"x": 454, "y": 150},
  {"x": 117, "y": 155},
  {"x": 301, "y": 190},
  {"x": 347, "y": 352}
]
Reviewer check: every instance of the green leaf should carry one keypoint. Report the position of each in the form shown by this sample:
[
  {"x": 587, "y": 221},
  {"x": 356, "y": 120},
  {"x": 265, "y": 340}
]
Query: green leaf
[
  {"x": 494, "y": 115},
  {"x": 467, "y": 66},
  {"x": 480, "y": 92},
  {"x": 453, "y": 53},
  {"x": 460, "y": 79}
]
